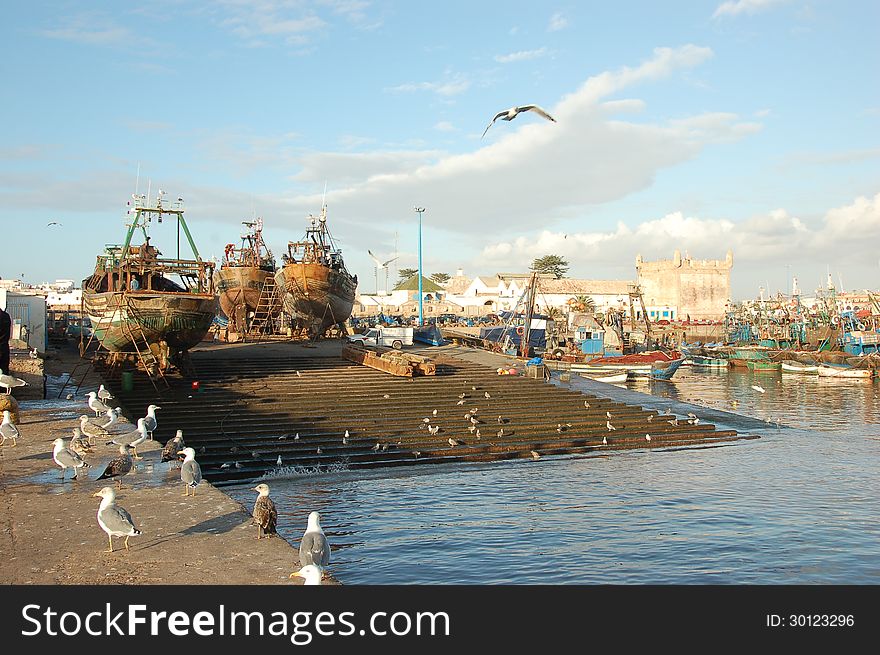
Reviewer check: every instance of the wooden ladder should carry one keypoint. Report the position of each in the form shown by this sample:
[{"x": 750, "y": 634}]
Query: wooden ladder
[{"x": 262, "y": 322}]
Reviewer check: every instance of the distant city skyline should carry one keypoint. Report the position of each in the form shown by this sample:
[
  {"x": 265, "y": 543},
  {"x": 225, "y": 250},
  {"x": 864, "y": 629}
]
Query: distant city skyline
[{"x": 749, "y": 125}]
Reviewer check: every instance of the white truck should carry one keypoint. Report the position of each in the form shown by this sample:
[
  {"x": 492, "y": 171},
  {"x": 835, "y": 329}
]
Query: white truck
[{"x": 395, "y": 337}]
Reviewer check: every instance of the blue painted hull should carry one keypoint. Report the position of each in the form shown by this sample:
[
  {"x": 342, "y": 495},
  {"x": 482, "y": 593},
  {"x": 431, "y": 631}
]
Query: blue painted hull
[{"x": 665, "y": 370}]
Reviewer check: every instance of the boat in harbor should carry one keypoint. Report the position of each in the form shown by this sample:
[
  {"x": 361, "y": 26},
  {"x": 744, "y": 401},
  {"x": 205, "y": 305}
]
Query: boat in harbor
[
  {"x": 140, "y": 302},
  {"x": 791, "y": 366},
  {"x": 614, "y": 378},
  {"x": 763, "y": 366},
  {"x": 242, "y": 278},
  {"x": 831, "y": 371},
  {"x": 703, "y": 361},
  {"x": 664, "y": 370},
  {"x": 655, "y": 364},
  {"x": 313, "y": 283}
]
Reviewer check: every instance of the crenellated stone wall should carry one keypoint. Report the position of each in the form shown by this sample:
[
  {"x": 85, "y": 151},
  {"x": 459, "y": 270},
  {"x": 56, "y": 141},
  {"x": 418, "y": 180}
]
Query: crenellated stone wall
[{"x": 699, "y": 288}]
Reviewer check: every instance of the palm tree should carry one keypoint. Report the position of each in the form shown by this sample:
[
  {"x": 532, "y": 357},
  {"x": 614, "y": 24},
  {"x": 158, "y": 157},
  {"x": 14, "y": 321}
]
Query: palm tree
[{"x": 584, "y": 304}]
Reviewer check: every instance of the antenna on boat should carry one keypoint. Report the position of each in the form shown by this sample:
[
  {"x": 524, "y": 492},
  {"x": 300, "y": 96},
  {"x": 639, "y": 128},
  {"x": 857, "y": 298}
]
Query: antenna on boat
[{"x": 137, "y": 180}]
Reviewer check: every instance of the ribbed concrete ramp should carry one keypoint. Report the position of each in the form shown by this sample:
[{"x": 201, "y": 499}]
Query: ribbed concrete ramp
[{"x": 253, "y": 401}]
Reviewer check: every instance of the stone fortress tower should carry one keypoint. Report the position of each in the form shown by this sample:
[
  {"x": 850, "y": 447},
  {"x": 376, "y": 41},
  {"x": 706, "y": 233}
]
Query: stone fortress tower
[{"x": 699, "y": 288}]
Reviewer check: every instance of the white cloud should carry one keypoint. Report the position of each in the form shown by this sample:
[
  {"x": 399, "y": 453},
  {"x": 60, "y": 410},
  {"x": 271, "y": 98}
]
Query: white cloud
[
  {"x": 522, "y": 55},
  {"x": 91, "y": 30},
  {"x": 557, "y": 22},
  {"x": 630, "y": 106},
  {"x": 352, "y": 168},
  {"x": 737, "y": 7},
  {"x": 445, "y": 126},
  {"x": 299, "y": 23},
  {"x": 452, "y": 84},
  {"x": 531, "y": 170},
  {"x": 757, "y": 241}
]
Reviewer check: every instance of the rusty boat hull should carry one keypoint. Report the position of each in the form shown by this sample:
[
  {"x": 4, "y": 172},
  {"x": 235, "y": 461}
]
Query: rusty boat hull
[
  {"x": 180, "y": 320},
  {"x": 239, "y": 289},
  {"x": 318, "y": 295}
]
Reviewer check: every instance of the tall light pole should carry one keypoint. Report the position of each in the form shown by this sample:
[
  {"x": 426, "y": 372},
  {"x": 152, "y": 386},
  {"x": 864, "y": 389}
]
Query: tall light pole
[{"x": 420, "y": 210}]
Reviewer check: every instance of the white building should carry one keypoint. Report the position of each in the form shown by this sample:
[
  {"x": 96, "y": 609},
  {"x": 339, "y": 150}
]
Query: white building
[{"x": 28, "y": 313}]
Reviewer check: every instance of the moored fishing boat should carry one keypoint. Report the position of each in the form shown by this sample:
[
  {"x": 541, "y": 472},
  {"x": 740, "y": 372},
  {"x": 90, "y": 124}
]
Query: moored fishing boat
[
  {"x": 763, "y": 366},
  {"x": 132, "y": 301},
  {"x": 313, "y": 283},
  {"x": 831, "y": 371},
  {"x": 615, "y": 378},
  {"x": 702, "y": 361},
  {"x": 241, "y": 279},
  {"x": 665, "y": 370},
  {"x": 791, "y": 366}
]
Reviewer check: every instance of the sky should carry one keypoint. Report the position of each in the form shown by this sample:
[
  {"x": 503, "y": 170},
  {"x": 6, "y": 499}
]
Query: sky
[{"x": 750, "y": 125}]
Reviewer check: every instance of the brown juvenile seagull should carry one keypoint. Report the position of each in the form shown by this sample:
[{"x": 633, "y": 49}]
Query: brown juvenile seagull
[
  {"x": 265, "y": 515},
  {"x": 174, "y": 446},
  {"x": 513, "y": 112},
  {"x": 118, "y": 466}
]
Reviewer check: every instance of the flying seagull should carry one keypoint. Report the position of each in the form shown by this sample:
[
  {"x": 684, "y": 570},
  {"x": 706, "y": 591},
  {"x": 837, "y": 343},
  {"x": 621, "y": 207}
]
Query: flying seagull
[
  {"x": 53, "y": 223},
  {"x": 513, "y": 112}
]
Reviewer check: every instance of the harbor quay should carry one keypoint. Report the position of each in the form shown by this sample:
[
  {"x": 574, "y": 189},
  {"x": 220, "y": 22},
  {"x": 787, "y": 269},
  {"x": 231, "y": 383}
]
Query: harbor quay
[{"x": 50, "y": 534}]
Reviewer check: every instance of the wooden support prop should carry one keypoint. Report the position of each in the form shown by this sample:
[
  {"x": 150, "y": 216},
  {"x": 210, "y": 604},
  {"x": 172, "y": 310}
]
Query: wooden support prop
[{"x": 389, "y": 361}]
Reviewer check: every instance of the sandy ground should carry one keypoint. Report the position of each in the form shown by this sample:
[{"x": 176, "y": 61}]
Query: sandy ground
[{"x": 49, "y": 532}]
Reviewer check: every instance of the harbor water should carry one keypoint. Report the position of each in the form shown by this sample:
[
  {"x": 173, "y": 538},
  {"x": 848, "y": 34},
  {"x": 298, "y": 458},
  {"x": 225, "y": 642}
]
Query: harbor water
[{"x": 797, "y": 506}]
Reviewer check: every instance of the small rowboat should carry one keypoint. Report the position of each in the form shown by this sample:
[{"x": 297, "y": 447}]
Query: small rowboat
[
  {"x": 796, "y": 367},
  {"x": 827, "y": 371}
]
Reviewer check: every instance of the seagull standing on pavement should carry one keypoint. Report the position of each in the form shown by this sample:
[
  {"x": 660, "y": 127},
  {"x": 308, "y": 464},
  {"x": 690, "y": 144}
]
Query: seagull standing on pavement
[
  {"x": 513, "y": 112},
  {"x": 150, "y": 419},
  {"x": 97, "y": 405}
]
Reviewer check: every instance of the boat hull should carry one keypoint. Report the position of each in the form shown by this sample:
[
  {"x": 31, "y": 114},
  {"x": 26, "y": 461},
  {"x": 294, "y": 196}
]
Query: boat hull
[
  {"x": 610, "y": 379},
  {"x": 665, "y": 370},
  {"x": 181, "y": 320},
  {"x": 763, "y": 366},
  {"x": 239, "y": 289},
  {"x": 318, "y": 295},
  {"x": 849, "y": 373},
  {"x": 796, "y": 367}
]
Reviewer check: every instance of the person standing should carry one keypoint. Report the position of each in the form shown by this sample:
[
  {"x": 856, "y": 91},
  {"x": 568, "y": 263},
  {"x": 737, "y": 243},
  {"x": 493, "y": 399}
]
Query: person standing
[{"x": 5, "y": 334}]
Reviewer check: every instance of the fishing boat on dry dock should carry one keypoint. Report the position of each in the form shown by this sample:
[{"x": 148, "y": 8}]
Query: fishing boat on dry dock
[
  {"x": 314, "y": 284},
  {"x": 246, "y": 276},
  {"x": 132, "y": 301}
]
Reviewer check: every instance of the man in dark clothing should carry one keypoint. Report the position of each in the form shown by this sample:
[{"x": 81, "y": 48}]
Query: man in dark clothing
[{"x": 5, "y": 334}]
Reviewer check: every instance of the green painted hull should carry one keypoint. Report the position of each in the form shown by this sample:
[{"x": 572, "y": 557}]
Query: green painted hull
[{"x": 180, "y": 320}]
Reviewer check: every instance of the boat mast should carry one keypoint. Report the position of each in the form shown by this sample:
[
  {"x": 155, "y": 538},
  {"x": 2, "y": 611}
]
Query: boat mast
[{"x": 530, "y": 310}]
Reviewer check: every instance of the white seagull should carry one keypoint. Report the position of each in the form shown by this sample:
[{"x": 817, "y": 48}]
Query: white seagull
[
  {"x": 10, "y": 382},
  {"x": 190, "y": 471},
  {"x": 8, "y": 429},
  {"x": 97, "y": 405},
  {"x": 314, "y": 548},
  {"x": 311, "y": 574},
  {"x": 103, "y": 394},
  {"x": 114, "y": 520},
  {"x": 513, "y": 112},
  {"x": 66, "y": 458},
  {"x": 150, "y": 419},
  {"x": 758, "y": 388}
]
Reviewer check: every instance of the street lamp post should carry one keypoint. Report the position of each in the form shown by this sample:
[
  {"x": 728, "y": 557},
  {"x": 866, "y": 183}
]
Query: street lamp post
[{"x": 420, "y": 210}]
